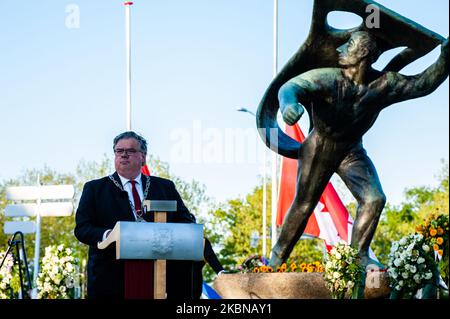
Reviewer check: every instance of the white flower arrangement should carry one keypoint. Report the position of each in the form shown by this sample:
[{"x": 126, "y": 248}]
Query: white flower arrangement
[
  {"x": 58, "y": 271},
  {"x": 410, "y": 265},
  {"x": 6, "y": 276},
  {"x": 342, "y": 270}
]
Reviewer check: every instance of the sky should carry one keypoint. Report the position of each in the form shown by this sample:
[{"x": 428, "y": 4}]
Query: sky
[{"x": 62, "y": 88}]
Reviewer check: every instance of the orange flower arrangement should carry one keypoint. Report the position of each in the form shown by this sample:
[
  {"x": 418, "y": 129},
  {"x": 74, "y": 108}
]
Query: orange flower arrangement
[
  {"x": 293, "y": 267},
  {"x": 258, "y": 264},
  {"x": 435, "y": 232}
]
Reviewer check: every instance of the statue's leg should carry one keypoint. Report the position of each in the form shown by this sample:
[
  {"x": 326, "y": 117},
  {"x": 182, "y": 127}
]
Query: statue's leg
[
  {"x": 359, "y": 174},
  {"x": 316, "y": 165}
]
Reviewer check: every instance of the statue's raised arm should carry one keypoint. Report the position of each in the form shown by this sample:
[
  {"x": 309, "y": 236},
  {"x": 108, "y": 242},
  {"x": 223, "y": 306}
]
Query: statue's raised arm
[
  {"x": 411, "y": 87},
  {"x": 319, "y": 51}
]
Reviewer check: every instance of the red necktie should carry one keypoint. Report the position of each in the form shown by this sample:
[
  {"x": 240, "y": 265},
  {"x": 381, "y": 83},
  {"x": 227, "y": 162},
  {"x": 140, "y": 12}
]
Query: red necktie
[{"x": 136, "y": 198}]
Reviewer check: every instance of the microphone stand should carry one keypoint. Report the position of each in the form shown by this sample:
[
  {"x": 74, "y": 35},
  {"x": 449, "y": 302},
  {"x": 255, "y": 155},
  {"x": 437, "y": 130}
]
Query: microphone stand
[{"x": 15, "y": 242}]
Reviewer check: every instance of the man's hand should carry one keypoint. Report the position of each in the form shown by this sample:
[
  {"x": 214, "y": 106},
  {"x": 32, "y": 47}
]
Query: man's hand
[{"x": 292, "y": 113}]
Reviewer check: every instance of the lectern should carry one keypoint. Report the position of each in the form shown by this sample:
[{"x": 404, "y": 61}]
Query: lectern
[{"x": 137, "y": 242}]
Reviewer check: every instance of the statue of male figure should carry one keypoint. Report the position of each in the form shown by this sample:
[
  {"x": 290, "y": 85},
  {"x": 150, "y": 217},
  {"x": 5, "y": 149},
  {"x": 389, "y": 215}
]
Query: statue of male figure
[{"x": 343, "y": 104}]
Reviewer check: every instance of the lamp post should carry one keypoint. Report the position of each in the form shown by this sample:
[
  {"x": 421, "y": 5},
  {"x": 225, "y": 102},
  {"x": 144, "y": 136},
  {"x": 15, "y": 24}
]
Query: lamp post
[{"x": 264, "y": 201}]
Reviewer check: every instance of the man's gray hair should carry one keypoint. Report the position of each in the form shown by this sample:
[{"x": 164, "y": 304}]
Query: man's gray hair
[{"x": 131, "y": 134}]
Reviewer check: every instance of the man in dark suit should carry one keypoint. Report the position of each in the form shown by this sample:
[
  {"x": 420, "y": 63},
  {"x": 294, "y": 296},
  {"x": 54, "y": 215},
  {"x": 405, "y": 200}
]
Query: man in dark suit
[{"x": 119, "y": 197}]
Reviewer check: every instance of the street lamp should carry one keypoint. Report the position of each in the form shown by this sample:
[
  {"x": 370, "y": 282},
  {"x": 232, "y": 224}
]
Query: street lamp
[{"x": 264, "y": 221}]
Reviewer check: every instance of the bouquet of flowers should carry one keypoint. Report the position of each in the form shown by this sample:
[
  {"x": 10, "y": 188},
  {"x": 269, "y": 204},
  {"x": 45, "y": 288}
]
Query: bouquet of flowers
[
  {"x": 435, "y": 233},
  {"x": 58, "y": 272},
  {"x": 342, "y": 270},
  {"x": 6, "y": 276},
  {"x": 411, "y": 266}
]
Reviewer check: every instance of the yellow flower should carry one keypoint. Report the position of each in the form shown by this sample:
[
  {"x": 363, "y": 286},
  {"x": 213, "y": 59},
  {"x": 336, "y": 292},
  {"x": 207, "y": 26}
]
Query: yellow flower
[
  {"x": 263, "y": 268},
  {"x": 310, "y": 269},
  {"x": 440, "y": 252},
  {"x": 436, "y": 247},
  {"x": 440, "y": 231},
  {"x": 269, "y": 269},
  {"x": 433, "y": 232},
  {"x": 439, "y": 240},
  {"x": 281, "y": 269},
  {"x": 256, "y": 270},
  {"x": 302, "y": 265}
]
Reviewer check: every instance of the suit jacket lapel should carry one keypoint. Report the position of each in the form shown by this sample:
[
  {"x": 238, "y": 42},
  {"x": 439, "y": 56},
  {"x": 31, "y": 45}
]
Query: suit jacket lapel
[
  {"x": 149, "y": 216},
  {"x": 144, "y": 180}
]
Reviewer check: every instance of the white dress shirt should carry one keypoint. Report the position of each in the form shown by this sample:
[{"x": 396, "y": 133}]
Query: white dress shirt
[{"x": 127, "y": 186}]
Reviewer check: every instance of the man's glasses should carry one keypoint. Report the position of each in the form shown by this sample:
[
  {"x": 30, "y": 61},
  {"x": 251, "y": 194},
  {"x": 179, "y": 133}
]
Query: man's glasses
[{"x": 126, "y": 151}]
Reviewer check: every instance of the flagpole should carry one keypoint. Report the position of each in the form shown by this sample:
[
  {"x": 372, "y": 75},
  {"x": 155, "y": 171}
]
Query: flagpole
[
  {"x": 274, "y": 155},
  {"x": 128, "y": 5}
]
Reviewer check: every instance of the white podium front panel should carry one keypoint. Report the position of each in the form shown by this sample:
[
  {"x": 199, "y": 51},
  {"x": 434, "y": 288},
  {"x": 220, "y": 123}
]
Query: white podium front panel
[{"x": 163, "y": 241}]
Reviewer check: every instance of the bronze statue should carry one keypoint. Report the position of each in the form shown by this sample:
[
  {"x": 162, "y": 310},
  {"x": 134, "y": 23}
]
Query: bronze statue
[{"x": 331, "y": 77}]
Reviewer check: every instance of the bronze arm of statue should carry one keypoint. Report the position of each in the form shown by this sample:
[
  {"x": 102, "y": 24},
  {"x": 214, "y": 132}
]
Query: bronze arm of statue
[
  {"x": 390, "y": 87},
  {"x": 319, "y": 51},
  {"x": 411, "y": 87}
]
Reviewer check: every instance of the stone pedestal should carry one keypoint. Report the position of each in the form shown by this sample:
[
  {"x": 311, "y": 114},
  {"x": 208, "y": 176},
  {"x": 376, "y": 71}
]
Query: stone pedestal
[{"x": 297, "y": 285}]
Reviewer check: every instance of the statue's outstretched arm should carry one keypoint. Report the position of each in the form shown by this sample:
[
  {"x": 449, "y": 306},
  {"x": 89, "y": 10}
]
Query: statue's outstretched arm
[
  {"x": 411, "y": 87},
  {"x": 292, "y": 96}
]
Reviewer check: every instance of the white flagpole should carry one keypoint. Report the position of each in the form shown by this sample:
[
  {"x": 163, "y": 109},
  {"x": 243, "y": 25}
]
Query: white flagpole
[
  {"x": 37, "y": 244},
  {"x": 128, "y": 5},
  {"x": 274, "y": 155}
]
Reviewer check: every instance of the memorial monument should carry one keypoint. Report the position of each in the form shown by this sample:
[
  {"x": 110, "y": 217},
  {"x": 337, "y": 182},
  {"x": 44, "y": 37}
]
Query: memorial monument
[{"x": 331, "y": 77}]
